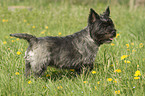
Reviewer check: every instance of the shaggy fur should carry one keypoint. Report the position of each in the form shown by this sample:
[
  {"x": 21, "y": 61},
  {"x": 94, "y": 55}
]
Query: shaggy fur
[{"x": 76, "y": 51}]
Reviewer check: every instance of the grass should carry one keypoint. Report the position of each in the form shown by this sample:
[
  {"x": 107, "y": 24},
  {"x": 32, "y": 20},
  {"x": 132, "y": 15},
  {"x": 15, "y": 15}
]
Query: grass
[{"x": 61, "y": 20}]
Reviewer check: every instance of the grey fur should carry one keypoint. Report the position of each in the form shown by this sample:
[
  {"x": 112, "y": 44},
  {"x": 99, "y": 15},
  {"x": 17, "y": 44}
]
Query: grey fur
[{"x": 76, "y": 51}]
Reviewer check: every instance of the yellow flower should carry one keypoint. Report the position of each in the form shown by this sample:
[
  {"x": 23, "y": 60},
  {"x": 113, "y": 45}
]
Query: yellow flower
[
  {"x": 132, "y": 44},
  {"x": 25, "y": 20},
  {"x": 18, "y": 53},
  {"x": 12, "y": 40},
  {"x": 29, "y": 82},
  {"x": 59, "y": 33},
  {"x": 93, "y": 72},
  {"x": 72, "y": 70},
  {"x": 17, "y": 73},
  {"x": 109, "y": 79},
  {"x": 128, "y": 49},
  {"x": 137, "y": 73},
  {"x": 4, "y": 42},
  {"x": 127, "y": 61},
  {"x": 124, "y": 56},
  {"x": 133, "y": 50},
  {"x": 117, "y": 35},
  {"x": 85, "y": 81},
  {"x": 17, "y": 39},
  {"x": 115, "y": 81},
  {"x": 46, "y": 27},
  {"x": 111, "y": 65},
  {"x": 118, "y": 70},
  {"x": 33, "y": 27},
  {"x": 112, "y": 44},
  {"x": 3, "y": 20},
  {"x": 137, "y": 66},
  {"x": 43, "y": 32},
  {"x": 98, "y": 82},
  {"x": 140, "y": 45},
  {"x": 47, "y": 75},
  {"x": 95, "y": 87},
  {"x": 127, "y": 45},
  {"x": 6, "y": 20},
  {"x": 59, "y": 87},
  {"x": 117, "y": 92},
  {"x": 136, "y": 77}
]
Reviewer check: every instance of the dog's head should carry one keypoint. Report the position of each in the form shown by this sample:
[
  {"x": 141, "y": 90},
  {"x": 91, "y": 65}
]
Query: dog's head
[{"x": 101, "y": 27}]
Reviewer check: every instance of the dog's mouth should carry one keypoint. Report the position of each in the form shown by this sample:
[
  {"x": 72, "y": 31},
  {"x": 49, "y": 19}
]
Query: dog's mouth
[{"x": 109, "y": 40}]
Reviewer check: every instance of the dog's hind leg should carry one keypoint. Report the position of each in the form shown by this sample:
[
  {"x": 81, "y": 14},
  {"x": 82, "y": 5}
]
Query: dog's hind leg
[{"x": 27, "y": 68}]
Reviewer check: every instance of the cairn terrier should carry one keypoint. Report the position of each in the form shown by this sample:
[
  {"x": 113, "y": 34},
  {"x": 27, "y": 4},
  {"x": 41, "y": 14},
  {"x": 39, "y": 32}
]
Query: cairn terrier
[{"x": 76, "y": 51}]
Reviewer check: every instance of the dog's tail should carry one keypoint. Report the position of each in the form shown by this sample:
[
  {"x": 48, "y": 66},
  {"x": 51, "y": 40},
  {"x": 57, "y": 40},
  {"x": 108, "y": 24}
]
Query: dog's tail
[{"x": 28, "y": 37}]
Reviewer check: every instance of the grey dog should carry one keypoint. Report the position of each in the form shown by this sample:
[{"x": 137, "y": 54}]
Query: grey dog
[{"x": 76, "y": 51}]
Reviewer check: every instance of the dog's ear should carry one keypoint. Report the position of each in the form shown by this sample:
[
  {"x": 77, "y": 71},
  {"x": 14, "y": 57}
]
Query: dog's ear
[
  {"x": 107, "y": 12},
  {"x": 93, "y": 16}
]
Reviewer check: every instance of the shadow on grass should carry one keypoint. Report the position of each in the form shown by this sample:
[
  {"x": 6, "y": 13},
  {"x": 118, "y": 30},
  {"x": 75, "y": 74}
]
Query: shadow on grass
[{"x": 58, "y": 75}]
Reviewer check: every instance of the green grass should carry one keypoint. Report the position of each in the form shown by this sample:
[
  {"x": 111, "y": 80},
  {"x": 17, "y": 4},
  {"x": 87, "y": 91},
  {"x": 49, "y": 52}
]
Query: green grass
[{"x": 68, "y": 19}]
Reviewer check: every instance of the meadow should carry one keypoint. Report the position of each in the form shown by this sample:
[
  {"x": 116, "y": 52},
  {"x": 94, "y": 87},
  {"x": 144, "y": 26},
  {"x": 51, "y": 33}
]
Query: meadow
[{"x": 119, "y": 66}]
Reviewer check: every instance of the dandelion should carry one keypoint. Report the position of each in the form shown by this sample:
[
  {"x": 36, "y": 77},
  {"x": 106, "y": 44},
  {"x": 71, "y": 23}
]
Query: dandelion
[
  {"x": 118, "y": 70},
  {"x": 12, "y": 41},
  {"x": 140, "y": 45},
  {"x": 29, "y": 82},
  {"x": 59, "y": 87},
  {"x": 59, "y": 33},
  {"x": 95, "y": 87},
  {"x": 136, "y": 78},
  {"x": 47, "y": 75},
  {"x": 133, "y": 50},
  {"x": 3, "y": 20},
  {"x": 128, "y": 49},
  {"x": 72, "y": 70},
  {"x": 11, "y": 37},
  {"x": 117, "y": 35},
  {"x": 33, "y": 27},
  {"x": 111, "y": 65},
  {"x": 98, "y": 82},
  {"x": 115, "y": 81},
  {"x": 43, "y": 32},
  {"x": 17, "y": 73},
  {"x": 124, "y": 56},
  {"x": 4, "y": 42},
  {"x": 17, "y": 39},
  {"x": 109, "y": 79},
  {"x": 137, "y": 73},
  {"x": 127, "y": 45},
  {"x": 25, "y": 20},
  {"x": 93, "y": 72},
  {"x": 18, "y": 52},
  {"x": 117, "y": 92},
  {"x": 112, "y": 44},
  {"x": 6, "y": 20},
  {"x": 85, "y": 81},
  {"x": 132, "y": 44},
  {"x": 46, "y": 27},
  {"x": 127, "y": 61}
]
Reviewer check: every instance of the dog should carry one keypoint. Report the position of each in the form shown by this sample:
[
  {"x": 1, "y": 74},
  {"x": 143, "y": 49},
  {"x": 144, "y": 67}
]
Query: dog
[{"x": 76, "y": 51}]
